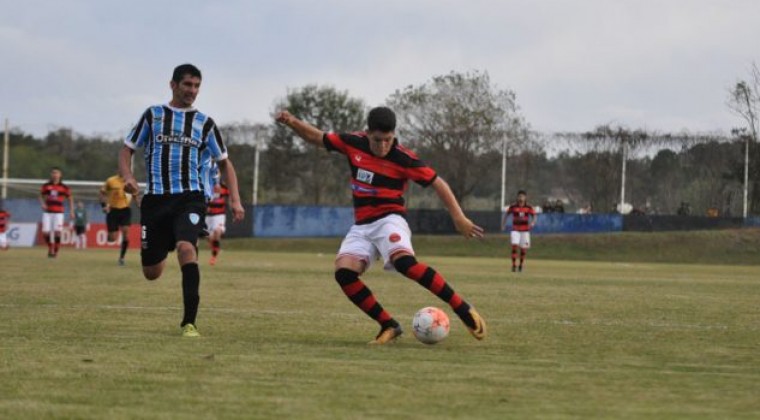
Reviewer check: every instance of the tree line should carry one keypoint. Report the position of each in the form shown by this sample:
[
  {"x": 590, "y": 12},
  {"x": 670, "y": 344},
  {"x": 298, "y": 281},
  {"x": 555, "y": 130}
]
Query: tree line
[{"x": 461, "y": 124}]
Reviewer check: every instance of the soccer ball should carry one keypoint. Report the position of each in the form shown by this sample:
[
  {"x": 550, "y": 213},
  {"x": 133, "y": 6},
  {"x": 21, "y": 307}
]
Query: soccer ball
[{"x": 430, "y": 325}]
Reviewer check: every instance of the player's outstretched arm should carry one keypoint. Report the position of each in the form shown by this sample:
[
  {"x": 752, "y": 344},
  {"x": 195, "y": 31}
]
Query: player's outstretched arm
[
  {"x": 227, "y": 171},
  {"x": 125, "y": 170},
  {"x": 461, "y": 222},
  {"x": 304, "y": 130}
]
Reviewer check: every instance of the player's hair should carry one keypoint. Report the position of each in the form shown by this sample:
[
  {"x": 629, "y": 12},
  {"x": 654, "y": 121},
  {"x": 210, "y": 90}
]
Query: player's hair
[
  {"x": 185, "y": 69},
  {"x": 381, "y": 119},
  {"x": 522, "y": 192}
]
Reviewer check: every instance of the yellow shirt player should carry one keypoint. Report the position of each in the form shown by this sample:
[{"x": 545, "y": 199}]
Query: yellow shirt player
[{"x": 115, "y": 202}]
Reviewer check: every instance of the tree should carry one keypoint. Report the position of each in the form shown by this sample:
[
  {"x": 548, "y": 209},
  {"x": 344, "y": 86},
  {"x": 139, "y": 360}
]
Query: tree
[
  {"x": 458, "y": 122},
  {"x": 744, "y": 100},
  {"x": 298, "y": 171},
  {"x": 244, "y": 140}
]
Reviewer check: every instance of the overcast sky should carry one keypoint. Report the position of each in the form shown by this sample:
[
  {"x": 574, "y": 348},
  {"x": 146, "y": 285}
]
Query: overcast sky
[{"x": 96, "y": 65}]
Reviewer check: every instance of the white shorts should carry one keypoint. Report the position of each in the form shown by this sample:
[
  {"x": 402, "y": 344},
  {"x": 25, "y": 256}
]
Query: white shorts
[
  {"x": 381, "y": 238},
  {"x": 3, "y": 240},
  {"x": 52, "y": 221},
  {"x": 521, "y": 239},
  {"x": 216, "y": 222}
]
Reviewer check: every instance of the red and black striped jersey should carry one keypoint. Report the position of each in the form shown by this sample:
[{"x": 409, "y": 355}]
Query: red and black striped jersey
[
  {"x": 4, "y": 218},
  {"x": 55, "y": 194},
  {"x": 218, "y": 202},
  {"x": 520, "y": 216},
  {"x": 378, "y": 184}
]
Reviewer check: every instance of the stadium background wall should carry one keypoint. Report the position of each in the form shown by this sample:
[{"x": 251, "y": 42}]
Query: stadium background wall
[{"x": 321, "y": 221}]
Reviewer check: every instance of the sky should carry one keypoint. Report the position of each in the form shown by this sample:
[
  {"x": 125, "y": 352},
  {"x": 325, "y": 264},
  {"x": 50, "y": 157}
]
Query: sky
[{"x": 94, "y": 66}]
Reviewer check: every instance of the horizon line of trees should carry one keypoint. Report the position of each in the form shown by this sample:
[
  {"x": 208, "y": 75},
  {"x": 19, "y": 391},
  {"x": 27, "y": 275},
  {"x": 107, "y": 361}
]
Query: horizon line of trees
[{"x": 461, "y": 124}]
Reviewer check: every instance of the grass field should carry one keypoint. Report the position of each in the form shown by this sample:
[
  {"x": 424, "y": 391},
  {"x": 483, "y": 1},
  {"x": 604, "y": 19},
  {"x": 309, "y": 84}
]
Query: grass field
[{"x": 83, "y": 338}]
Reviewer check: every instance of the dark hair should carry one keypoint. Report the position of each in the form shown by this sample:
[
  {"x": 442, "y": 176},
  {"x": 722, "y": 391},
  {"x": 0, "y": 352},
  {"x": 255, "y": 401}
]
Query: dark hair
[
  {"x": 381, "y": 119},
  {"x": 522, "y": 192},
  {"x": 55, "y": 168},
  {"x": 185, "y": 69}
]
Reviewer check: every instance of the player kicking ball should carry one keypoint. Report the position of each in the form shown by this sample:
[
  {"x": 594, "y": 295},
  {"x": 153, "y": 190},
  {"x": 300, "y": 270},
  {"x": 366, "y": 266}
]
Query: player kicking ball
[
  {"x": 380, "y": 170},
  {"x": 523, "y": 220}
]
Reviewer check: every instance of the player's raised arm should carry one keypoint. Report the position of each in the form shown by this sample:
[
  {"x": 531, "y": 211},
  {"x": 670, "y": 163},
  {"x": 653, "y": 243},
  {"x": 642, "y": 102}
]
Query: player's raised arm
[
  {"x": 227, "y": 171},
  {"x": 461, "y": 222},
  {"x": 304, "y": 130}
]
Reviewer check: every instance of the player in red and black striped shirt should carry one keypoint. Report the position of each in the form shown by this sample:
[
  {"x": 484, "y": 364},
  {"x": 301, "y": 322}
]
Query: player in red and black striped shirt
[
  {"x": 380, "y": 169},
  {"x": 216, "y": 218},
  {"x": 53, "y": 194},
  {"x": 523, "y": 220}
]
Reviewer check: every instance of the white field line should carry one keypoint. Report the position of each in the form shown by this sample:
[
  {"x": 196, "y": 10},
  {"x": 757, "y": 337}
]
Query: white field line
[{"x": 513, "y": 321}]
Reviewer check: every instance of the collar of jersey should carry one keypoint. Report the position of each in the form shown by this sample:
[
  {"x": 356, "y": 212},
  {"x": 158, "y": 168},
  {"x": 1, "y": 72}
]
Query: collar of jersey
[{"x": 174, "y": 108}]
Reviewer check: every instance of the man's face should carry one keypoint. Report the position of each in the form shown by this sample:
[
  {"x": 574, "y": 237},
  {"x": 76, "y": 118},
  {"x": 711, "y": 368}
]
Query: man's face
[
  {"x": 381, "y": 143},
  {"x": 55, "y": 175},
  {"x": 185, "y": 92},
  {"x": 521, "y": 198}
]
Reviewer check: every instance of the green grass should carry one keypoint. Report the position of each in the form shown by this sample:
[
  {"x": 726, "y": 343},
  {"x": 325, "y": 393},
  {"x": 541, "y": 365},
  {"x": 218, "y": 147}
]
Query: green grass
[
  {"x": 740, "y": 246},
  {"x": 83, "y": 338}
]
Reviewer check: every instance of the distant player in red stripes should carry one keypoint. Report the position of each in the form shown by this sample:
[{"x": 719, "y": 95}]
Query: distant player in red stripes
[
  {"x": 216, "y": 218},
  {"x": 523, "y": 219},
  {"x": 5, "y": 218},
  {"x": 53, "y": 194},
  {"x": 380, "y": 170}
]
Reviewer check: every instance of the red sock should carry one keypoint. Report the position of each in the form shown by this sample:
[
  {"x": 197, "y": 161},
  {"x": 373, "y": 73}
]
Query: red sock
[
  {"x": 431, "y": 280},
  {"x": 358, "y": 293},
  {"x": 514, "y": 255}
]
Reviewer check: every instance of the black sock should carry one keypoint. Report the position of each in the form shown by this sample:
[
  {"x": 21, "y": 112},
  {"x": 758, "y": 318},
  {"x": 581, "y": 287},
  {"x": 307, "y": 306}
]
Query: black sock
[
  {"x": 124, "y": 246},
  {"x": 191, "y": 279}
]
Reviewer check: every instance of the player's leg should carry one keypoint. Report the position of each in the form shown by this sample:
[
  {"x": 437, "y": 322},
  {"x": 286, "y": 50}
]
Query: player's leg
[
  {"x": 524, "y": 246},
  {"x": 188, "y": 225},
  {"x": 394, "y": 240},
  {"x": 125, "y": 220},
  {"x": 112, "y": 225},
  {"x": 124, "y": 229},
  {"x": 77, "y": 237},
  {"x": 156, "y": 235},
  {"x": 3, "y": 241},
  {"x": 58, "y": 228},
  {"x": 47, "y": 231},
  {"x": 514, "y": 238},
  {"x": 356, "y": 251},
  {"x": 219, "y": 230}
]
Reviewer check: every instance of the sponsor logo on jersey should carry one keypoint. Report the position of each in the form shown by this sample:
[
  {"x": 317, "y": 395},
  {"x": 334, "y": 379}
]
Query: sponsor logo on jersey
[
  {"x": 363, "y": 190},
  {"x": 178, "y": 139},
  {"x": 364, "y": 176}
]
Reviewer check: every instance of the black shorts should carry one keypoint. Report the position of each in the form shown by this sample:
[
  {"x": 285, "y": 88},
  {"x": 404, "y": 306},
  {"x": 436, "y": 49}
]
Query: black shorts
[
  {"x": 79, "y": 230},
  {"x": 117, "y": 218},
  {"x": 167, "y": 219}
]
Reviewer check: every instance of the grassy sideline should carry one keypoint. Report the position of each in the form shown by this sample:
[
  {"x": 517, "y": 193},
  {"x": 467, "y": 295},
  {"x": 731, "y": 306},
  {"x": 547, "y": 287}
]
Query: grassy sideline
[
  {"x": 703, "y": 247},
  {"x": 84, "y": 338}
]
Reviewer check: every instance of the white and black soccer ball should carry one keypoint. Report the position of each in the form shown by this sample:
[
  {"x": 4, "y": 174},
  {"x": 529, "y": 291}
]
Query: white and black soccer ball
[{"x": 430, "y": 325}]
